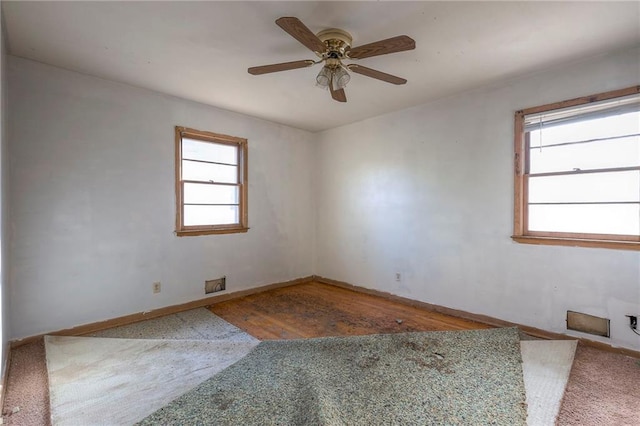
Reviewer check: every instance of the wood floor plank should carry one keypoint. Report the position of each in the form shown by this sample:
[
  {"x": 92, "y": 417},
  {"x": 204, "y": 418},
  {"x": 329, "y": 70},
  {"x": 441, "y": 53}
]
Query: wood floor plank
[{"x": 321, "y": 310}]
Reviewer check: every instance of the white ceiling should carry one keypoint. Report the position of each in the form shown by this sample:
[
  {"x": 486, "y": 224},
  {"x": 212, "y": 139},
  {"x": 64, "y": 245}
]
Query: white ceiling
[{"x": 201, "y": 50}]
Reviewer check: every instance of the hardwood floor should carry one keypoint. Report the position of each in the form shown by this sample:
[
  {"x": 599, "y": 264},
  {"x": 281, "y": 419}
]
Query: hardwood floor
[
  {"x": 320, "y": 310},
  {"x": 597, "y": 393}
]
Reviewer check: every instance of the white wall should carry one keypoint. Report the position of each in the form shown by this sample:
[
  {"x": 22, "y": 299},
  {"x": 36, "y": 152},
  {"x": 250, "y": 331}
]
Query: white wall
[
  {"x": 4, "y": 204},
  {"x": 93, "y": 203},
  {"x": 428, "y": 192}
]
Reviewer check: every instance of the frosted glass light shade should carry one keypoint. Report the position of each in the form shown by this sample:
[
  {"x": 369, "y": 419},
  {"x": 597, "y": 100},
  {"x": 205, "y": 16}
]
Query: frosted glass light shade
[
  {"x": 340, "y": 78},
  {"x": 323, "y": 78}
]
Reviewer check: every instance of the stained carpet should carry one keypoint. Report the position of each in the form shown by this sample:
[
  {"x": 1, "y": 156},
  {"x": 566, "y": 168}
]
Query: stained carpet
[
  {"x": 111, "y": 380},
  {"x": 433, "y": 378}
]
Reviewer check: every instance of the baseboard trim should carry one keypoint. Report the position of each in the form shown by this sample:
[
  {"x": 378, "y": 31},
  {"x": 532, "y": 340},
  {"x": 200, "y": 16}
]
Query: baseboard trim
[
  {"x": 5, "y": 378},
  {"x": 160, "y": 312},
  {"x": 168, "y": 310},
  {"x": 532, "y": 331}
]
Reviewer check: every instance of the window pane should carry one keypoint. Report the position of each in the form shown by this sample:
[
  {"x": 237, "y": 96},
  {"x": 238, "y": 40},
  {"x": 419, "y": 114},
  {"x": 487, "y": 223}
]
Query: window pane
[
  {"x": 193, "y": 170},
  {"x": 590, "y": 187},
  {"x": 197, "y": 193},
  {"x": 616, "y": 125},
  {"x": 209, "y": 151},
  {"x": 617, "y": 219},
  {"x": 594, "y": 155},
  {"x": 211, "y": 215}
]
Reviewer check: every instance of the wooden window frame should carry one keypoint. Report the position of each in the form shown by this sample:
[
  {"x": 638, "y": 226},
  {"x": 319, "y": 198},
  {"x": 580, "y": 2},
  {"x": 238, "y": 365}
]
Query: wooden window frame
[
  {"x": 241, "y": 144},
  {"x": 521, "y": 233}
]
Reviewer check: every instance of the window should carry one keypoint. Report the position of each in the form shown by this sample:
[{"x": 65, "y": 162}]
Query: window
[
  {"x": 577, "y": 172},
  {"x": 211, "y": 183}
]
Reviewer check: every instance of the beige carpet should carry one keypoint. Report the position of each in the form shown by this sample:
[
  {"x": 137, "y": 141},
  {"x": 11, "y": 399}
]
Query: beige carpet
[
  {"x": 602, "y": 390},
  {"x": 546, "y": 365}
]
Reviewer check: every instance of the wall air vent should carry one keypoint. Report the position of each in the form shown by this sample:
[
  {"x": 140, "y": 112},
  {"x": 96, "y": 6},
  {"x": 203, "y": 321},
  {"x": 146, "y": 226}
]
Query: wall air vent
[
  {"x": 213, "y": 286},
  {"x": 588, "y": 324}
]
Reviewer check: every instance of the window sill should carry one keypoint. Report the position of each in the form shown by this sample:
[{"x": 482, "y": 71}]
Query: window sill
[
  {"x": 575, "y": 242},
  {"x": 196, "y": 232}
]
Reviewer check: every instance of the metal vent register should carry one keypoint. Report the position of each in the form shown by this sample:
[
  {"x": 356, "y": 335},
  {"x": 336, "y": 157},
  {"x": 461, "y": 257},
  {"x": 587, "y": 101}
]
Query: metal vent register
[{"x": 588, "y": 324}]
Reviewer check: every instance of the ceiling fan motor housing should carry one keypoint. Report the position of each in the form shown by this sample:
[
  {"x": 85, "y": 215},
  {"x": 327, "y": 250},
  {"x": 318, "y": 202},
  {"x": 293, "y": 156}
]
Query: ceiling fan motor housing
[{"x": 337, "y": 41}]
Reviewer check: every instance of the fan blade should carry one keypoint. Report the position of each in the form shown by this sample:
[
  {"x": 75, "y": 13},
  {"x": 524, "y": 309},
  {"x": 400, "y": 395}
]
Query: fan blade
[
  {"x": 369, "y": 72},
  {"x": 300, "y": 32},
  {"x": 338, "y": 95},
  {"x": 383, "y": 47},
  {"x": 265, "y": 69}
]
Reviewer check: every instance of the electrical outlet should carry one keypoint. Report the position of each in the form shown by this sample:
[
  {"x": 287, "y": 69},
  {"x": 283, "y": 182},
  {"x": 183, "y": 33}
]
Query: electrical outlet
[
  {"x": 398, "y": 277},
  {"x": 633, "y": 322},
  {"x": 157, "y": 287}
]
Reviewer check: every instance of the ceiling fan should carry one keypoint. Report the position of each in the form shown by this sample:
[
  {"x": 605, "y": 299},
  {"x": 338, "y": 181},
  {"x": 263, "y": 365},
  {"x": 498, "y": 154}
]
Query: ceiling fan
[{"x": 332, "y": 46}]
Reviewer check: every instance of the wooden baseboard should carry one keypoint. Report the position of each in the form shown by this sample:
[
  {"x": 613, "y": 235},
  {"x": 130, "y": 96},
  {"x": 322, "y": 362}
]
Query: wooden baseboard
[
  {"x": 141, "y": 316},
  {"x": 532, "y": 331},
  {"x": 160, "y": 312},
  {"x": 5, "y": 378}
]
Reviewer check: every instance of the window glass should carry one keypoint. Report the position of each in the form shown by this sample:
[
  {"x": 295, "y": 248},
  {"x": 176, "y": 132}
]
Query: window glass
[
  {"x": 623, "y": 152},
  {"x": 588, "y": 129},
  {"x": 209, "y": 151},
  {"x": 589, "y": 187},
  {"x": 209, "y": 172},
  {"x": 210, "y": 215},
  {"x": 617, "y": 219},
  {"x": 195, "y": 193}
]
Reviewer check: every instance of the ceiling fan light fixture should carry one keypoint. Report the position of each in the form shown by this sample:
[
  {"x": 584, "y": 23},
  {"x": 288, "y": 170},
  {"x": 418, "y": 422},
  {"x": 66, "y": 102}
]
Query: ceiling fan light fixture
[
  {"x": 323, "y": 79},
  {"x": 332, "y": 46},
  {"x": 340, "y": 78}
]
